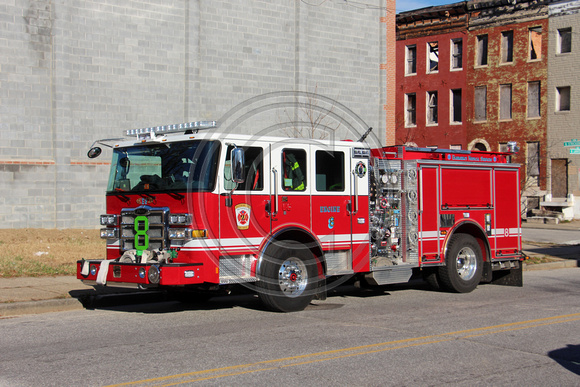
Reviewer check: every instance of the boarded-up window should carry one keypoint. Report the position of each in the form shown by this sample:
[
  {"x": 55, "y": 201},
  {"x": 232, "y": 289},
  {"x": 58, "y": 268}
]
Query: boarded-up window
[
  {"x": 507, "y": 46},
  {"x": 536, "y": 43},
  {"x": 411, "y": 108},
  {"x": 411, "y": 60},
  {"x": 481, "y": 103},
  {"x": 533, "y": 159},
  {"x": 505, "y": 102},
  {"x": 533, "y": 99},
  {"x": 481, "y": 57},
  {"x": 432, "y": 118},
  {"x": 456, "y": 106},
  {"x": 457, "y": 53},
  {"x": 563, "y": 99},
  {"x": 433, "y": 57},
  {"x": 564, "y": 40}
]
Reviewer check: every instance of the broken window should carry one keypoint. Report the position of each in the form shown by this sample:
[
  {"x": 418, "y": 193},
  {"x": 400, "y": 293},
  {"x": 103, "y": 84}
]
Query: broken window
[
  {"x": 433, "y": 57},
  {"x": 505, "y": 102},
  {"x": 565, "y": 40},
  {"x": 432, "y": 108},
  {"x": 534, "y": 99},
  {"x": 507, "y": 46},
  {"x": 411, "y": 60},
  {"x": 456, "y": 106},
  {"x": 533, "y": 161},
  {"x": 457, "y": 53},
  {"x": 563, "y": 99},
  {"x": 536, "y": 43},
  {"x": 411, "y": 108},
  {"x": 481, "y": 57},
  {"x": 481, "y": 103}
]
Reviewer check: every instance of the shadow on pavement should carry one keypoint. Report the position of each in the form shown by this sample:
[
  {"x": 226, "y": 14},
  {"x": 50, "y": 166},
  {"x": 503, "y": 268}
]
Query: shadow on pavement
[
  {"x": 568, "y": 357},
  {"x": 559, "y": 251}
]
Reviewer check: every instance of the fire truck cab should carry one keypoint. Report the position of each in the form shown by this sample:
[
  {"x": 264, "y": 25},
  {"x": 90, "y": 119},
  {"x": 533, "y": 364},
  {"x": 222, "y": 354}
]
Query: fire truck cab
[{"x": 198, "y": 210}]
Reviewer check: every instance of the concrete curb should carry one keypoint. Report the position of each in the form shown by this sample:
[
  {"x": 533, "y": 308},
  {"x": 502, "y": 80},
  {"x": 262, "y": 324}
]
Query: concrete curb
[
  {"x": 564, "y": 264},
  {"x": 10, "y": 309}
]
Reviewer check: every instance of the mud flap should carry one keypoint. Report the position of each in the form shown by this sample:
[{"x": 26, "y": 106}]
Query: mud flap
[
  {"x": 321, "y": 291},
  {"x": 509, "y": 277},
  {"x": 503, "y": 276}
]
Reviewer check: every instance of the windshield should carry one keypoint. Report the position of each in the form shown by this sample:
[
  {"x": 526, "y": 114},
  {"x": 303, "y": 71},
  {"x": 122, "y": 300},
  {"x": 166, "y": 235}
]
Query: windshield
[{"x": 178, "y": 166}]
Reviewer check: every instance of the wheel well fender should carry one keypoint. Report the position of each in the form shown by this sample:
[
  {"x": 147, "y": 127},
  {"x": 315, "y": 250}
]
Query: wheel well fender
[
  {"x": 476, "y": 231},
  {"x": 296, "y": 234}
]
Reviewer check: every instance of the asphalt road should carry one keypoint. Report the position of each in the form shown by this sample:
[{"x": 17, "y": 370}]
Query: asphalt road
[
  {"x": 392, "y": 336},
  {"x": 560, "y": 237}
]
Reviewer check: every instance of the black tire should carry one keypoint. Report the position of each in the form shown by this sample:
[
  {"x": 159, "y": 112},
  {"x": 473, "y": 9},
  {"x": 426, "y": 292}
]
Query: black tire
[
  {"x": 463, "y": 265},
  {"x": 288, "y": 277}
]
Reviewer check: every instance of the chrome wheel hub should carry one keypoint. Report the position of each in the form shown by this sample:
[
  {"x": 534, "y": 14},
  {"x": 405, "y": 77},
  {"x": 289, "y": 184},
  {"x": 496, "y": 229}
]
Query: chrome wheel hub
[
  {"x": 466, "y": 263},
  {"x": 292, "y": 277}
]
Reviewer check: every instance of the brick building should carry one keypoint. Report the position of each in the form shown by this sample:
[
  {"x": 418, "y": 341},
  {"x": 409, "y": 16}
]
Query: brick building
[
  {"x": 501, "y": 88},
  {"x": 431, "y": 76},
  {"x": 75, "y": 72}
]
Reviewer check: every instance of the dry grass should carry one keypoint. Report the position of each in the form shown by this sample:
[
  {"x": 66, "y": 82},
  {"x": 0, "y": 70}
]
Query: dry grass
[{"x": 39, "y": 252}]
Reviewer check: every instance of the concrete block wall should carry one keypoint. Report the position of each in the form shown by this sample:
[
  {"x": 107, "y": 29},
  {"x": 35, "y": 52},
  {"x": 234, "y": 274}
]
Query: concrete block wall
[
  {"x": 75, "y": 72},
  {"x": 563, "y": 126}
]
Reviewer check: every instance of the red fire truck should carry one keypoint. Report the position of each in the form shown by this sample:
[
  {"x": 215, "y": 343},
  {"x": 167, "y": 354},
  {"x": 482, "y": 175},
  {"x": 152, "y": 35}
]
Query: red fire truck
[{"x": 191, "y": 210}]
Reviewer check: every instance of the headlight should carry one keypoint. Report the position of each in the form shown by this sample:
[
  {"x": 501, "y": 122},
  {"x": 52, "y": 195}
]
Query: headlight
[
  {"x": 180, "y": 219},
  {"x": 179, "y": 233},
  {"x": 153, "y": 274},
  {"x": 109, "y": 233},
  {"x": 108, "y": 220}
]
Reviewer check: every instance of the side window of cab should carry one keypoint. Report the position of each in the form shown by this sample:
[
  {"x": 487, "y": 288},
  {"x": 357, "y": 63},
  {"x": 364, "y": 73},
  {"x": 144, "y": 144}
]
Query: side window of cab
[
  {"x": 253, "y": 169},
  {"x": 294, "y": 162}
]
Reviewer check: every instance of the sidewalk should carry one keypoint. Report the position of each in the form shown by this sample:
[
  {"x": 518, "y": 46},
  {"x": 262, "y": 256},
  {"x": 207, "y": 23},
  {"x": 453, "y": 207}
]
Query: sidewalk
[{"x": 27, "y": 295}]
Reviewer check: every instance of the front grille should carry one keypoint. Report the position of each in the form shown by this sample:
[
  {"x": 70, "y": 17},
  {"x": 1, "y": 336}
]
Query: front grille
[{"x": 144, "y": 228}]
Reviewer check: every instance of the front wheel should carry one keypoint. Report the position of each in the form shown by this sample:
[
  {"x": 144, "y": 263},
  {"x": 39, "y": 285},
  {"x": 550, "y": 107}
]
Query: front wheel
[
  {"x": 288, "y": 277},
  {"x": 463, "y": 264}
]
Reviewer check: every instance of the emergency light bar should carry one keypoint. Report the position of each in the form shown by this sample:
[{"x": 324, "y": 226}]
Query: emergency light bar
[{"x": 160, "y": 130}]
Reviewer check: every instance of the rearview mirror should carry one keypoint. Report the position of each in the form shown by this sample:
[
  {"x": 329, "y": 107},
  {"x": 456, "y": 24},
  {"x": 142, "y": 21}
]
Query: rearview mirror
[
  {"x": 238, "y": 161},
  {"x": 94, "y": 152}
]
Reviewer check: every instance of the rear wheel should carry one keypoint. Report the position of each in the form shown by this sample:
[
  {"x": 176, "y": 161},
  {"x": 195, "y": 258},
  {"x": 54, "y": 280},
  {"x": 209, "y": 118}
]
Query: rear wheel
[
  {"x": 463, "y": 264},
  {"x": 288, "y": 277}
]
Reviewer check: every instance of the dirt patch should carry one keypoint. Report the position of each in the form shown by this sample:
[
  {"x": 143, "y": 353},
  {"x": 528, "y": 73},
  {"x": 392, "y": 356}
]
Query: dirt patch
[{"x": 40, "y": 252}]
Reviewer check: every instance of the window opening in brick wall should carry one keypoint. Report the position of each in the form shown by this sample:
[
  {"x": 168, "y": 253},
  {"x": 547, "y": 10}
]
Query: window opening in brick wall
[
  {"x": 563, "y": 99},
  {"x": 411, "y": 59},
  {"x": 433, "y": 57},
  {"x": 481, "y": 103},
  {"x": 533, "y": 162},
  {"x": 505, "y": 102},
  {"x": 507, "y": 47},
  {"x": 480, "y": 147},
  {"x": 481, "y": 57},
  {"x": 411, "y": 109},
  {"x": 455, "y": 147},
  {"x": 534, "y": 99},
  {"x": 432, "y": 118},
  {"x": 535, "y": 43},
  {"x": 564, "y": 40},
  {"x": 456, "y": 106},
  {"x": 456, "y": 54}
]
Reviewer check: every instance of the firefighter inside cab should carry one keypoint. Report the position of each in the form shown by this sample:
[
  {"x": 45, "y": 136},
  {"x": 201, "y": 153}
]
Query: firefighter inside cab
[{"x": 293, "y": 176}]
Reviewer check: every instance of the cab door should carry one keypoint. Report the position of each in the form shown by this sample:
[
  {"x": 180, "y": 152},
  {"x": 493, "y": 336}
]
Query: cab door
[
  {"x": 331, "y": 212},
  {"x": 291, "y": 186},
  {"x": 244, "y": 217}
]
